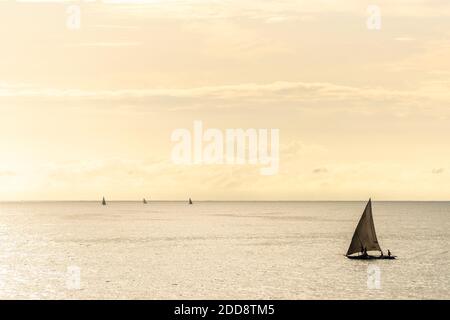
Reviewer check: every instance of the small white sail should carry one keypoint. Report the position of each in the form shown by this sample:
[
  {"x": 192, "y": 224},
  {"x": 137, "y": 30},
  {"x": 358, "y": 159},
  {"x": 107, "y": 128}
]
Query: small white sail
[{"x": 365, "y": 236}]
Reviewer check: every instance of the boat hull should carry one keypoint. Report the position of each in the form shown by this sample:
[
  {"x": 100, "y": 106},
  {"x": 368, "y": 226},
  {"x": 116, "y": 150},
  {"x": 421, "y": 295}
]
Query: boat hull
[{"x": 369, "y": 257}]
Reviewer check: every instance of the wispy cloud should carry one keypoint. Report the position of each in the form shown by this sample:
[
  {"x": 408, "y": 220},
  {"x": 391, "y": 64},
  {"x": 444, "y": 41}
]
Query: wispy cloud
[
  {"x": 277, "y": 19},
  {"x": 115, "y": 26},
  {"x": 254, "y": 9},
  {"x": 404, "y": 39},
  {"x": 104, "y": 44},
  {"x": 7, "y": 173},
  {"x": 276, "y": 94}
]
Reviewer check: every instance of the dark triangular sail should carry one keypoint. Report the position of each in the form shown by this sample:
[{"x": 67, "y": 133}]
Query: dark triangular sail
[
  {"x": 365, "y": 236},
  {"x": 104, "y": 201}
]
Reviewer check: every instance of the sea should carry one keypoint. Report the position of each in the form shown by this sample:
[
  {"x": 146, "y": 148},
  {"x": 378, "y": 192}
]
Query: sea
[{"x": 220, "y": 250}]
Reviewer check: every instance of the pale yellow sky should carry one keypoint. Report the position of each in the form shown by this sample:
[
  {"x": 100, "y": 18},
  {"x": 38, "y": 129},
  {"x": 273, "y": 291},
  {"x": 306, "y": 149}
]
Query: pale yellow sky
[{"x": 89, "y": 112}]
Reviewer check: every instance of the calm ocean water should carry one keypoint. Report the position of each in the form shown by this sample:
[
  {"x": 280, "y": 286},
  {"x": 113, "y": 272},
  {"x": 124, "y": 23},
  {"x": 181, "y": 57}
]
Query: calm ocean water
[{"x": 215, "y": 250}]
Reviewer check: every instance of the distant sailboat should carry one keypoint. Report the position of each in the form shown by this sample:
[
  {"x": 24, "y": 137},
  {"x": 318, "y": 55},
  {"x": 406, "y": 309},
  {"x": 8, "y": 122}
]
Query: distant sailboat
[
  {"x": 104, "y": 201},
  {"x": 190, "y": 201},
  {"x": 365, "y": 238},
  {"x": 145, "y": 201}
]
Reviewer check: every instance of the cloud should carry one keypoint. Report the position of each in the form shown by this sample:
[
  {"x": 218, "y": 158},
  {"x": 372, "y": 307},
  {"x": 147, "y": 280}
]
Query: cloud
[
  {"x": 276, "y": 94},
  {"x": 404, "y": 39},
  {"x": 130, "y": 178},
  {"x": 438, "y": 170},
  {"x": 263, "y": 10},
  {"x": 116, "y": 26},
  {"x": 320, "y": 170},
  {"x": 7, "y": 173},
  {"x": 277, "y": 19},
  {"x": 104, "y": 44}
]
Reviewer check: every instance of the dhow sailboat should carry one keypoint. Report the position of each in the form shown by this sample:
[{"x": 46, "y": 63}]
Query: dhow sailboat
[{"x": 365, "y": 239}]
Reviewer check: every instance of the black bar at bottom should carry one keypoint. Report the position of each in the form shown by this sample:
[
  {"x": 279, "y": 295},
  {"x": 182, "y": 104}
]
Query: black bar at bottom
[{"x": 224, "y": 309}]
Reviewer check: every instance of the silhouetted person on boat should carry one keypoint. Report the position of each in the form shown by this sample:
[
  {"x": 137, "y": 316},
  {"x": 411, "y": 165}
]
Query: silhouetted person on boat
[
  {"x": 389, "y": 253},
  {"x": 364, "y": 252}
]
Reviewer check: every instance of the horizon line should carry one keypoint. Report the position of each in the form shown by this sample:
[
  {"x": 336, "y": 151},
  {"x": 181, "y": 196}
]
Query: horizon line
[{"x": 228, "y": 200}]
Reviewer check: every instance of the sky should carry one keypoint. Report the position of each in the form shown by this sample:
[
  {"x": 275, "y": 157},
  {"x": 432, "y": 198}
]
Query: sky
[{"x": 88, "y": 105}]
